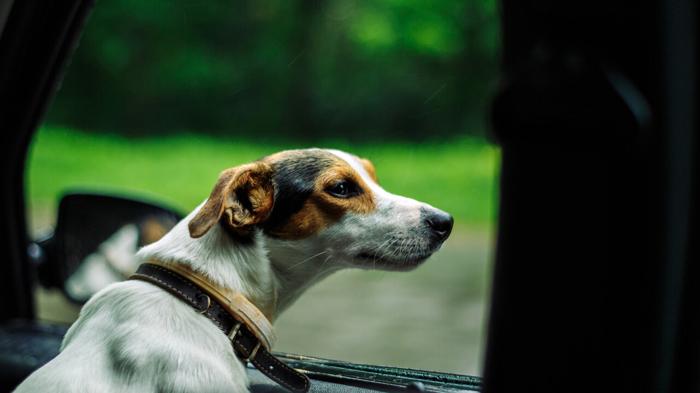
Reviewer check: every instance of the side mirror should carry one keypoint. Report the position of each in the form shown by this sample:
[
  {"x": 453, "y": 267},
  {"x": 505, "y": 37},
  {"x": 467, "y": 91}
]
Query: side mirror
[{"x": 95, "y": 242}]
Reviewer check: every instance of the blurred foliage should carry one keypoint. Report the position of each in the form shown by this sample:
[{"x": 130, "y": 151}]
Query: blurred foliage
[{"x": 293, "y": 68}]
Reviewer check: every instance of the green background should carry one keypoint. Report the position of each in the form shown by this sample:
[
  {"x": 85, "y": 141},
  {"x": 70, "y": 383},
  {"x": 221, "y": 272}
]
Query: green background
[{"x": 305, "y": 69}]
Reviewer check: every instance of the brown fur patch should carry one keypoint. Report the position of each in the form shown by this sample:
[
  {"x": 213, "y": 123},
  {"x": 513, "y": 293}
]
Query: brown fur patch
[
  {"x": 154, "y": 228},
  {"x": 321, "y": 210}
]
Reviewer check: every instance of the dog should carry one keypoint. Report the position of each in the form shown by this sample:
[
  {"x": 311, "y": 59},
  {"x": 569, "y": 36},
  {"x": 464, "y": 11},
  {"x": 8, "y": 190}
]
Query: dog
[{"x": 269, "y": 230}]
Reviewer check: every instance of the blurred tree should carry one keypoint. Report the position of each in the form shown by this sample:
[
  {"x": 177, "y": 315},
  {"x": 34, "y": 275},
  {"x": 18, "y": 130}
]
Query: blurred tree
[
  {"x": 295, "y": 68},
  {"x": 301, "y": 103}
]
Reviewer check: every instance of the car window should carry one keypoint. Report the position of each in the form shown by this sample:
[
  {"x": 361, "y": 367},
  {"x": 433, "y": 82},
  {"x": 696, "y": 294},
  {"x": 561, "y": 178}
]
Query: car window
[{"x": 162, "y": 96}]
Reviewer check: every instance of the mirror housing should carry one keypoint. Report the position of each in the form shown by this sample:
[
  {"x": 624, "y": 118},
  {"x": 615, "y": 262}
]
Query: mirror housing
[{"x": 90, "y": 227}]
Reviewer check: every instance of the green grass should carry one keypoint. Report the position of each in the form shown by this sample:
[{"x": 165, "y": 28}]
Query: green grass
[{"x": 179, "y": 170}]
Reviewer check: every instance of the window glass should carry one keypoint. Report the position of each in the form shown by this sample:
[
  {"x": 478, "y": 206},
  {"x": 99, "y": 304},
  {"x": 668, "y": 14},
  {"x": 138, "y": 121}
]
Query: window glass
[{"x": 161, "y": 96}]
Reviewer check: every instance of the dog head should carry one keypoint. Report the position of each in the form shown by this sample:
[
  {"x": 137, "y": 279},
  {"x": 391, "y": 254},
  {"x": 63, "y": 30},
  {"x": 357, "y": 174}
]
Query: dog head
[{"x": 323, "y": 204}]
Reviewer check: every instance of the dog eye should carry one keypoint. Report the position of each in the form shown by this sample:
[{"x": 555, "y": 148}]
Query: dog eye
[{"x": 343, "y": 189}]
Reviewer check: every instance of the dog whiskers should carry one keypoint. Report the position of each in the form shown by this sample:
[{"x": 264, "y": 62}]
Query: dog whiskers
[
  {"x": 308, "y": 259},
  {"x": 324, "y": 264}
]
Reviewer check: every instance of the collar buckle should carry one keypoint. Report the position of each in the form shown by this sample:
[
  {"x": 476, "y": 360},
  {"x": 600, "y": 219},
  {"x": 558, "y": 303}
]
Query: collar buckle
[
  {"x": 234, "y": 331},
  {"x": 253, "y": 352}
]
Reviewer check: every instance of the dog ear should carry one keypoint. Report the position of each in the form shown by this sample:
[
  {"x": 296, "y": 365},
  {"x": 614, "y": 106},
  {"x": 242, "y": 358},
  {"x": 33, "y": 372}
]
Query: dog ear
[{"x": 245, "y": 194}]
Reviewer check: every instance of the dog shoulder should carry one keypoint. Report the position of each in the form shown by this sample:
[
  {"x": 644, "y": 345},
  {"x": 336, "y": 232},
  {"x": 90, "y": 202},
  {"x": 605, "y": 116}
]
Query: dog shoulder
[{"x": 137, "y": 336}]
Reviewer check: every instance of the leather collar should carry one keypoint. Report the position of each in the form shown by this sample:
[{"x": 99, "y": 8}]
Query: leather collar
[{"x": 247, "y": 328}]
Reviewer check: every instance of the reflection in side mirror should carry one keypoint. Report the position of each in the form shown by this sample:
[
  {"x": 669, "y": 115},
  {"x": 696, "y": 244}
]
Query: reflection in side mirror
[
  {"x": 115, "y": 258},
  {"x": 113, "y": 261},
  {"x": 96, "y": 239}
]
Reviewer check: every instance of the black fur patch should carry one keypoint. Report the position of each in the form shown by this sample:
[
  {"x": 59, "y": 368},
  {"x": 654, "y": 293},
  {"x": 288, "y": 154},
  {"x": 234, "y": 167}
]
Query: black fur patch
[
  {"x": 294, "y": 179},
  {"x": 122, "y": 363},
  {"x": 239, "y": 237}
]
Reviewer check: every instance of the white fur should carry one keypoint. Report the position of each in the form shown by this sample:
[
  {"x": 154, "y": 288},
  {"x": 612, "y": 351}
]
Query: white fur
[
  {"x": 392, "y": 230},
  {"x": 135, "y": 337}
]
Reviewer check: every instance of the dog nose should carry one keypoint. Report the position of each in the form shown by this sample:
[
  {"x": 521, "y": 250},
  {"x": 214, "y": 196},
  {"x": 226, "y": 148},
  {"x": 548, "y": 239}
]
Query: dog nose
[{"x": 440, "y": 223}]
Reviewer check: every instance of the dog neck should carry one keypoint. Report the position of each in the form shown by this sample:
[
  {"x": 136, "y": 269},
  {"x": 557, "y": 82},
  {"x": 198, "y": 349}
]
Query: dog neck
[
  {"x": 297, "y": 265},
  {"x": 271, "y": 284}
]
